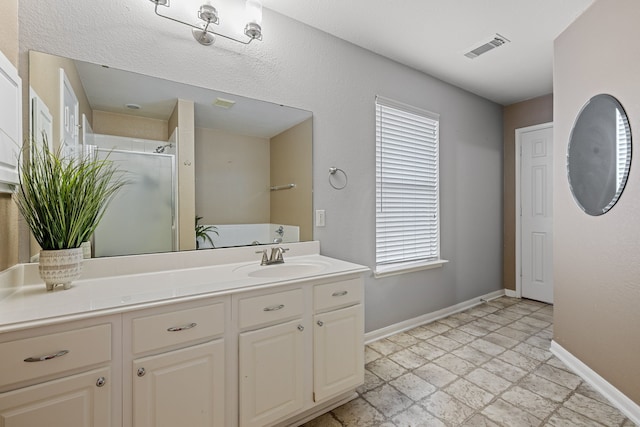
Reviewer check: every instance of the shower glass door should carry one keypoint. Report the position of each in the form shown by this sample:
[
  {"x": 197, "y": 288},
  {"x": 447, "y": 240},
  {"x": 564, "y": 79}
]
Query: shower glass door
[{"x": 140, "y": 218}]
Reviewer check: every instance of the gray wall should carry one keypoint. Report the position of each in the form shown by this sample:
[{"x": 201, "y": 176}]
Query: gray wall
[{"x": 305, "y": 68}]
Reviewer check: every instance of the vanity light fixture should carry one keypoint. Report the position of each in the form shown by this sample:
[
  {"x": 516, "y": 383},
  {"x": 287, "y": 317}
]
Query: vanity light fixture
[{"x": 237, "y": 20}]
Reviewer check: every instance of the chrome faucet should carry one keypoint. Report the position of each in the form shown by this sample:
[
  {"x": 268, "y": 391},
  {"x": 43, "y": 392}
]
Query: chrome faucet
[{"x": 275, "y": 257}]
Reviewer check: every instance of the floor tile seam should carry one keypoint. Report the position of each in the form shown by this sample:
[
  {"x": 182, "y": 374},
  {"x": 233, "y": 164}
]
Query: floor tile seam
[
  {"x": 417, "y": 402},
  {"x": 517, "y": 384},
  {"x": 499, "y": 396},
  {"x": 458, "y": 377},
  {"x": 335, "y": 418},
  {"x": 479, "y": 411},
  {"x": 389, "y": 417},
  {"x": 445, "y": 422},
  {"x": 562, "y": 405},
  {"x": 496, "y": 397}
]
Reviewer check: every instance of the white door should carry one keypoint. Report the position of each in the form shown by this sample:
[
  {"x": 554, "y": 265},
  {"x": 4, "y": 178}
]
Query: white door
[
  {"x": 536, "y": 213},
  {"x": 81, "y": 400},
  {"x": 180, "y": 388},
  {"x": 338, "y": 352},
  {"x": 69, "y": 108},
  {"x": 271, "y": 373},
  {"x": 41, "y": 121}
]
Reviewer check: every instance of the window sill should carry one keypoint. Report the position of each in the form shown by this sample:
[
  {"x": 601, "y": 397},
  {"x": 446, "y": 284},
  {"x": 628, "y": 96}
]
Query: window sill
[{"x": 409, "y": 267}]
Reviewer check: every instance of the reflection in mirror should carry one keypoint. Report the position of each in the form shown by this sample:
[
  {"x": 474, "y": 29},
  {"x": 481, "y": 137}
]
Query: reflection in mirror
[
  {"x": 599, "y": 155},
  {"x": 242, "y": 165}
]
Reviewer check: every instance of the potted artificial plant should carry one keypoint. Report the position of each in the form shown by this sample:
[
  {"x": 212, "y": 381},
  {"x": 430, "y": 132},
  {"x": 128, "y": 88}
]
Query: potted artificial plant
[
  {"x": 202, "y": 233},
  {"x": 62, "y": 200}
]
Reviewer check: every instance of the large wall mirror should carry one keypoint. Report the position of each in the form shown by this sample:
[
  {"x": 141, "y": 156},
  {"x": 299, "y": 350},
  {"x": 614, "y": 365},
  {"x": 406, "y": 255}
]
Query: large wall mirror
[
  {"x": 599, "y": 155},
  {"x": 242, "y": 166}
]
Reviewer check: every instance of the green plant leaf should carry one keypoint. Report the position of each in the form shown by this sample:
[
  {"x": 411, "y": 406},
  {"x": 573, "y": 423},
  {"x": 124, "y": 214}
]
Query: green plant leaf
[{"x": 62, "y": 199}]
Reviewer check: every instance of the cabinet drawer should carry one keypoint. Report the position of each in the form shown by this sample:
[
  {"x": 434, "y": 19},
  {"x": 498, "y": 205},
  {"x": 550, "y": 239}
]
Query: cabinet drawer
[
  {"x": 177, "y": 327},
  {"x": 264, "y": 309},
  {"x": 338, "y": 294},
  {"x": 46, "y": 355}
]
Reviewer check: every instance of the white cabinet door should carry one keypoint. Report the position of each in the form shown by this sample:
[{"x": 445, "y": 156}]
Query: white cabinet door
[
  {"x": 180, "y": 388},
  {"x": 10, "y": 122},
  {"x": 338, "y": 355},
  {"x": 271, "y": 373},
  {"x": 82, "y": 400}
]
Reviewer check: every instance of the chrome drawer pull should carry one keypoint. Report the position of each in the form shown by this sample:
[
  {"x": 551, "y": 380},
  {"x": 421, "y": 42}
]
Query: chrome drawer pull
[
  {"x": 47, "y": 357},
  {"x": 101, "y": 382},
  {"x": 274, "y": 307},
  {"x": 339, "y": 293},
  {"x": 182, "y": 328}
]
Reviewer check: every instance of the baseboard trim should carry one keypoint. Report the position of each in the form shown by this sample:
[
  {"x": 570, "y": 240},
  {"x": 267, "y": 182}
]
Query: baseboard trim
[
  {"x": 406, "y": 325},
  {"x": 510, "y": 293},
  {"x": 612, "y": 394}
]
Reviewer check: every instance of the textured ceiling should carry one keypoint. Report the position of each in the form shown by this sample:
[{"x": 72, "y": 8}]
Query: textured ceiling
[{"x": 433, "y": 35}]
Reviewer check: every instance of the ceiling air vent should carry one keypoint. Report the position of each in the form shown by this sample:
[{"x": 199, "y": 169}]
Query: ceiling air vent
[
  {"x": 224, "y": 103},
  {"x": 495, "y": 41}
]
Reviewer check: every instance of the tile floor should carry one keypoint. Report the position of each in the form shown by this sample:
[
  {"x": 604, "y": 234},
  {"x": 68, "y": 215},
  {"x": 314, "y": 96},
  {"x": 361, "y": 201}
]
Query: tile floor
[{"x": 487, "y": 366}]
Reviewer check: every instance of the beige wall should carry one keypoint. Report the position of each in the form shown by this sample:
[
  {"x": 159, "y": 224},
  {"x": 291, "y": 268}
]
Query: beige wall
[
  {"x": 129, "y": 126},
  {"x": 522, "y": 114},
  {"x": 291, "y": 162},
  {"x": 184, "y": 118},
  {"x": 8, "y": 211},
  {"x": 232, "y": 178},
  {"x": 9, "y": 30},
  {"x": 44, "y": 78},
  {"x": 596, "y": 268}
]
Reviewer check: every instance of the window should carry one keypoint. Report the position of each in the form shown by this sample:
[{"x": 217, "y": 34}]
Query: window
[{"x": 407, "y": 199}]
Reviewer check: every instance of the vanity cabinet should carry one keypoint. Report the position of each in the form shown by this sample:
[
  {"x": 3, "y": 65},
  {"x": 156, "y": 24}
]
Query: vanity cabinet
[
  {"x": 338, "y": 352},
  {"x": 81, "y": 400},
  {"x": 275, "y": 353},
  {"x": 180, "y": 387},
  {"x": 298, "y": 348},
  {"x": 59, "y": 377},
  {"x": 338, "y": 338},
  {"x": 176, "y": 379},
  {"x": 271, "y": 356},
  {"x": 271, "y": 373}
]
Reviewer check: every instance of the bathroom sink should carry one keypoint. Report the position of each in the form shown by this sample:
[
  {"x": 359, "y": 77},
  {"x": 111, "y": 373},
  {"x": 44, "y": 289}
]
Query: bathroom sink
[{"x": 297, "y": 269}]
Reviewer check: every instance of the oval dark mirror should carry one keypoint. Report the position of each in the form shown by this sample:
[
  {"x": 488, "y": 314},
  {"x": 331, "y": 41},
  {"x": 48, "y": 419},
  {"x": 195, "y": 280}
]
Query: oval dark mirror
[{"x": 599, "y": 155}]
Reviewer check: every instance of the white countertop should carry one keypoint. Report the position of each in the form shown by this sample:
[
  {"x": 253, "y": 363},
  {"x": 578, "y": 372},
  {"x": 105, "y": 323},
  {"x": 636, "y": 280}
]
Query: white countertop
[{"x": 152, "y": 280}]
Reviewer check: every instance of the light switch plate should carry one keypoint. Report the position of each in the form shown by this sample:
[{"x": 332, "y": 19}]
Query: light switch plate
[{"x": 320, "y": 218}]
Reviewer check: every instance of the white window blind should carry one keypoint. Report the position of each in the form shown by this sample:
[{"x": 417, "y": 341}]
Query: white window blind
[
  {"x": 407, "y": 196},
  {"x": 623, "y": 151}
]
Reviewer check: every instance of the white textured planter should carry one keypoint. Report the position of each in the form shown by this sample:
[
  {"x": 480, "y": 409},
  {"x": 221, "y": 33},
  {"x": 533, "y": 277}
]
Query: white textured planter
[{"x": 60, "y": 267}]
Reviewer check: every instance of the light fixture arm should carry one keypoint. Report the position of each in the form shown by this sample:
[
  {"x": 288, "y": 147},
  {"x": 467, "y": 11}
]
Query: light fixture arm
[{"x": 253, "y": 31}]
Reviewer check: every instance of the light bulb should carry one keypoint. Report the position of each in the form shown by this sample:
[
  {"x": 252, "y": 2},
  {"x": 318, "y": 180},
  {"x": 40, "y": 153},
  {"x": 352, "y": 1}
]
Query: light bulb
[{"x": 253, "y": 11}]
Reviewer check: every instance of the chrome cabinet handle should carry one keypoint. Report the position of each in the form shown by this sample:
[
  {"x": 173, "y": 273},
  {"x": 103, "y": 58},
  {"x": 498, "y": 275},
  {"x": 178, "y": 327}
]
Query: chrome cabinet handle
[
  {"x": 47, "y": 357},
  {"x": 300, "y": 328},
  {"x": 182, "y": 328},
  {"x": 141, "y": 372},
  {"x": 339, "y": 293},
  {"x": 274, "y": 307},
  {"x": 101, "y": 382},
  {"x": 320, "y": 323}
]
